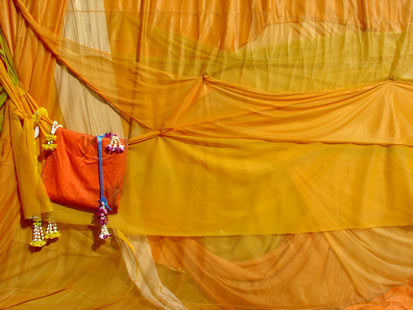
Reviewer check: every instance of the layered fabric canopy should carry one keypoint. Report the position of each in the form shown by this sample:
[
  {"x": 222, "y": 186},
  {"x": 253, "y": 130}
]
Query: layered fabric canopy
[{"x": 269, "y": 162}]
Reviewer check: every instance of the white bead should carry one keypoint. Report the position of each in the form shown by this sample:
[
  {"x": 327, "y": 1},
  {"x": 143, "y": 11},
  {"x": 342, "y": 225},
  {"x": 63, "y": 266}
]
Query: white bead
[{"x": 36, "y": 132}]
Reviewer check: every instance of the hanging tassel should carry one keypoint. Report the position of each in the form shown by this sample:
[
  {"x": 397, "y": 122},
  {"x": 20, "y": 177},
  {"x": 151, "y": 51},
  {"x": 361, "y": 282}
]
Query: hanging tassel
[
  {"x": 38, "y": 236},
  {"x": 102, "y": 212},
  {"x": 51, "y": 231},
  {"x": 115, "y": 146},
  {"x": 51, "y": 138},
  {"x": 104, "y": 233},
  {"x": 36, "y": 117},
  {"x": 103, "y": 220}
]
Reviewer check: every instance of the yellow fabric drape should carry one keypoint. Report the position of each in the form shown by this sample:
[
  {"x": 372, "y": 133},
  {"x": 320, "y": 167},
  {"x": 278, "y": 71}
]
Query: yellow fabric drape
[
  {"x": 32, "y": 192},
  {"x": 35, "y": 201},
  {"x": 200, "y": 123},
  {"x": 222, "y": 93},
  {"x": 33, "y": 195},
  {"x": 9, "y": 206},
  {"x": 40, "y": 279}
]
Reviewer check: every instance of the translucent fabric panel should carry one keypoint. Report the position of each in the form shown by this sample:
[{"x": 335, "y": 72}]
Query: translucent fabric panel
[
  {"x": 306, "y": 271},
  {"x": 397, "y": 298},
  {"x": 137, "y": 256},
  {"x": 82, "y": 110},
  {"x": 259, "y": 188},
  {"x": 323, "y": 270},
  {"x": 200, "y": 120},
  {"x": 33, "y": 62},
  {"x": 18, "y": 144},
  {"x": 74, "y": 272},
  {"x": 285, "y": 47},
  {"x": 215, "y": 156},
  {"x": 24, "y": 148},
  {"x": 10, "y": 206}
]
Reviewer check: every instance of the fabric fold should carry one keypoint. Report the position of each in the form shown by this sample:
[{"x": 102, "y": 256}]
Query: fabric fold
[{"x": 136, "y": 254}]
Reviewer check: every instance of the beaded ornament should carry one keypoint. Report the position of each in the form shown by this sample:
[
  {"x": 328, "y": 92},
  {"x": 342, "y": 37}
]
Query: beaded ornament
[
  {"x": 103, "y": 220},
  {"x": 38, "y": 235},
  {"x": 51, "y": 146},
  {"x": 51, "y": 231},
  {"x": 115, "y": 146},
  {"x": 36, "y": 120}
]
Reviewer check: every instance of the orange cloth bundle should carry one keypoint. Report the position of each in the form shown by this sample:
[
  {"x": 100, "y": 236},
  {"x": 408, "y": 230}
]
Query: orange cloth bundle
[{"x": 71, "y": 172}]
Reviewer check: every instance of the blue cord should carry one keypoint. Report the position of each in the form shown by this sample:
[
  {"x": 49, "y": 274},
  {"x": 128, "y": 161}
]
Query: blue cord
[{"x": 102, "y": 194}]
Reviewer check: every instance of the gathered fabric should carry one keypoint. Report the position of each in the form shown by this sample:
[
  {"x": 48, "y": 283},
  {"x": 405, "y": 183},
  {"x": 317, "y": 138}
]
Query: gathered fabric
[
  {"x": 71, "y": 172},
  {"x": 269, "y": 160}
]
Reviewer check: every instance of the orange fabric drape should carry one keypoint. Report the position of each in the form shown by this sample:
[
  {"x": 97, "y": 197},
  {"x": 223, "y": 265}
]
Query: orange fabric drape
[
  {"x": 183, "y": 116},
  {"x": 177, "y": 116},
  {"x": 34, "y": 63},
  {"x": 398, "y": 298},
  {"x": 70, "y": 172},
  {"x": 253, "y": 118},
  {"x": 304, "y": 271},
  {"x": 261, "y": 115},
  {"x": 250, "y": 18}
]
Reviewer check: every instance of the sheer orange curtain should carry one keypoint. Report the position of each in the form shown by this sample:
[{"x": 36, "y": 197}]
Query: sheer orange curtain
[
  {"x": 34, "y": 64},
  {"x": 336, "y": 268},
  {"x": 269, "y": 160},
  {"x": 181, "y": 119}
]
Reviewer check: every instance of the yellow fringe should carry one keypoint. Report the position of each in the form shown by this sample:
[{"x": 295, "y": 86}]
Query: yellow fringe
[
  {"x": 49, "y": 147},
  {"x": 53, "y": 235},
  {"x": 37, "y": 244}
]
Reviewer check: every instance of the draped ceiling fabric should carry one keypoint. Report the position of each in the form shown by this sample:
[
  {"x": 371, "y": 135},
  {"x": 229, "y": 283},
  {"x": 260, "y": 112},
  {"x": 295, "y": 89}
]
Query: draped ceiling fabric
[{"x": 270, "y": 153}]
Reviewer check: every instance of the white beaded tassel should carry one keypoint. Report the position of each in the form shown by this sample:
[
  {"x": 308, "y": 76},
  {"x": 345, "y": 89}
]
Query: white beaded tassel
[
  {"x": 104, "y": 233},
  {"x": 38, "y": 235},
  {"x": 51, "y": 231}
]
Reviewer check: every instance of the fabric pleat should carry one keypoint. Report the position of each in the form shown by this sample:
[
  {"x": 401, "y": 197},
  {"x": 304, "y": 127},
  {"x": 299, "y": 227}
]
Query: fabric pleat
[{"x": 269, "y": 158}]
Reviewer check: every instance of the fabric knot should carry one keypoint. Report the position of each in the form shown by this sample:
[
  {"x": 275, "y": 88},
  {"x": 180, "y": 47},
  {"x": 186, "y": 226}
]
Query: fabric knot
[
  {"x": 205, "y": 77},
  {"x": 163, "y": 131}
]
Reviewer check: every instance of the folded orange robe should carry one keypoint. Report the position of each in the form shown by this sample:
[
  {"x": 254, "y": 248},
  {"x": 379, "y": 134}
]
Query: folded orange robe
[{"x": 71, "y": 172}]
